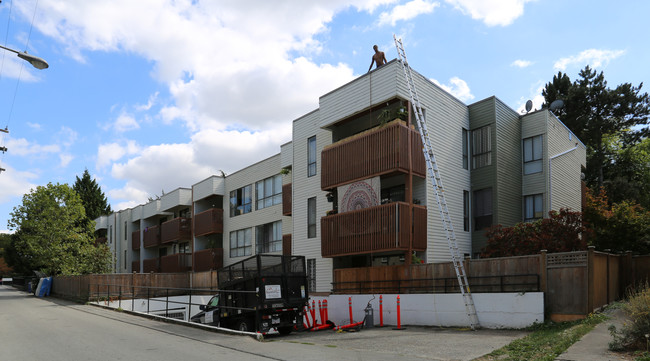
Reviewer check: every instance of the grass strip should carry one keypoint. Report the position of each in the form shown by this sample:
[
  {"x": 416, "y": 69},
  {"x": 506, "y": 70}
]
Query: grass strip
[{"x": 546, "y": 341}]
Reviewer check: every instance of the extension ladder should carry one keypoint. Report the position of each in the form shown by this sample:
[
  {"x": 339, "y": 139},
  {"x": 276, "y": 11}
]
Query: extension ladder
[{"x": 434, "y": 174}]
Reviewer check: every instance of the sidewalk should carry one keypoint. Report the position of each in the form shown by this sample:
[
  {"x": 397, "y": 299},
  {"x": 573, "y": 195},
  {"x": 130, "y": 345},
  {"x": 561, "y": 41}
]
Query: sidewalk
[{"x": 593, "y": 346}]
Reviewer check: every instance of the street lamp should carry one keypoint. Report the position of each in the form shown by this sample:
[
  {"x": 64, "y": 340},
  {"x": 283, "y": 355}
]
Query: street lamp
[{"x": 37, "y": 62}]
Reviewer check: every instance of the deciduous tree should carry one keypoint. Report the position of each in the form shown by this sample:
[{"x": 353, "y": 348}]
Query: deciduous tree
[{"x": 53, "y": 234}]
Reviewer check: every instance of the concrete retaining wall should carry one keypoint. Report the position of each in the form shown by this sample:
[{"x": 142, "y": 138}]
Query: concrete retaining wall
[{"x": 495, "y": 310}]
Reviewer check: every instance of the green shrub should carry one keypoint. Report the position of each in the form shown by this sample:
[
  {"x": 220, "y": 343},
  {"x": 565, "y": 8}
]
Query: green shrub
[{"x": 635, "y": 333}]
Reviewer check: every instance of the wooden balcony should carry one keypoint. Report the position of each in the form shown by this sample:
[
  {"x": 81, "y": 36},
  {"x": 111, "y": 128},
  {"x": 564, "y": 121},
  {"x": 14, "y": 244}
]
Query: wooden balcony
[
  {"x": 208, "y": 259},
  {"x": 377, "y": 229},
  {"x": 286, "y": 245},
  {"x": 151, "y": 237},
  {"x": 208, "y": 222},
  {"x": 135, "y": 266},
  {"x": 150, "y": 265},
  {"x": 179, "y": 262},
  {"x": 100, "y": 240},
  {"x": 178, "y": 229},
  {"x": 286, "y": 199},
  {"x": 381, "y": 150},
  {"x": 135, "y": 240}
]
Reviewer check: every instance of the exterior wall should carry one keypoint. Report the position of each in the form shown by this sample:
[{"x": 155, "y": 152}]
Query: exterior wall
[
  {"x": 175, "y": 198},
  {"x": 508, "y": 201},
  {"x": 494, "y": 310},
  {"x": 481, "y": 114},
  {"x": 249, "y": 175},
  {"x": 566, "y": 169},
  {"x": 214, "y": 185},
  {"x": 304, "y": 188},
  {"x": 534, "y": 124},
  {"x": 378, "y": 86},
  {"x": 446, "y": 117}
]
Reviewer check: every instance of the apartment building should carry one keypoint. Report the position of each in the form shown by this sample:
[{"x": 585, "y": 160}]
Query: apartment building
[{"x": 350, "y": 189}]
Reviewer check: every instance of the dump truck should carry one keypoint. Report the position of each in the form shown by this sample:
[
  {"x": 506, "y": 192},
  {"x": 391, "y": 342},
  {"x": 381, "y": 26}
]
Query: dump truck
[{"x": 259, "y": 294}]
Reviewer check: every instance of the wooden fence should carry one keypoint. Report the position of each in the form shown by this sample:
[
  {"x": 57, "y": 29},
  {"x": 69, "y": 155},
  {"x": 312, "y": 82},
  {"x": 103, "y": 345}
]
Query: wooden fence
[
  {"x": 574, "y": 283},
  {"x": 78, "y": 287}
]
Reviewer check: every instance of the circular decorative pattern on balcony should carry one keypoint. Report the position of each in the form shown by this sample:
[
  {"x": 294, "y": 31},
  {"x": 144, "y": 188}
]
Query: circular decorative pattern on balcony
[{"x": 359, "y": 195}]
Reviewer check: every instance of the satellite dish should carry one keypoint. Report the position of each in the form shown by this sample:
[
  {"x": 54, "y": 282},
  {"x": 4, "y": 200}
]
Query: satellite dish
[
  {"x": 529, "y": 105},
  {"x": 556, "y": 104}
]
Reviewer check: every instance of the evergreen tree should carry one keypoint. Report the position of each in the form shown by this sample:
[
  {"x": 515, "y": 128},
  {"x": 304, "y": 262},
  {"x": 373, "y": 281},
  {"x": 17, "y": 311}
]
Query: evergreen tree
[
  {"x": 596, "y": 113},
  {"x": 94, "y": 200}
]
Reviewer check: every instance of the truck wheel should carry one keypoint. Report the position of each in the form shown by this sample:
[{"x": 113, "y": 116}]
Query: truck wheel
[
  {"x": 242, "y": 325},
  {"x": 285, "y": 330}
]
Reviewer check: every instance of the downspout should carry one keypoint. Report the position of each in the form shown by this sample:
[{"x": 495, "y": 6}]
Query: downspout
[{"x": 550, "y": 188}]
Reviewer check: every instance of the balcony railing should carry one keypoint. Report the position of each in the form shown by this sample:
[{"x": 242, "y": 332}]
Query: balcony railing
[
  {"x": 135, "y": 266},
  {"x": 208, "y": 222},
  {"x": 135, "y": 240},
  {"x": 375, "y": 152},
  {"x": 208, "y": 259},
  {"x": 376, "y": 229},
  {"x": 101, "y": 240},
  {"x": 178, "y": 229},
  {"x": 179, "y": 262},
  {"x": 150, "y": 265},
  {"x": 286, "y": 199},
  {"x": 151, "y": 236}
]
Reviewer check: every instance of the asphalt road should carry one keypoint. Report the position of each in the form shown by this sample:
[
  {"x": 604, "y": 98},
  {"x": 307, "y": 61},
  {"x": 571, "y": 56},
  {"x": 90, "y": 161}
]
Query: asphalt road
[{"x": 50, "y": 329}]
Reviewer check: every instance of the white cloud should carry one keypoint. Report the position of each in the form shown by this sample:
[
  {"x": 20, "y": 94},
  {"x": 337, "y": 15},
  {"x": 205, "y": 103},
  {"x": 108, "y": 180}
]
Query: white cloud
[
  {"x": 458, "y": 88},
  {"x": 110, "y": 152},
  {"x": 34, "y": 126},
  {"x": 65, "y": 159},
  {"x": 152, "y": 100},
  {"x": 125, "y": 122},
  {"x": 521, "y": 63},
  {"x": 535, "y": 96},
  {"x": 407, "y": 11},
  {"x": 593, "y": 57},
  {"x": 15, "y": 183},
  {"x": 491, "y": 12},
  {"x": 23, "y": 147}
]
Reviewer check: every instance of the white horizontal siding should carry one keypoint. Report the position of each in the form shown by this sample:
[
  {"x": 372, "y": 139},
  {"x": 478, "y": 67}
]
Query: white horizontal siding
[
  {"x": 286, "y": 155},
  {"x": 175, "y": 198},
  {"x": 249, "y": 175},
  {"x": 304, "y": 188},
  {"x": 214, "y": 185}
]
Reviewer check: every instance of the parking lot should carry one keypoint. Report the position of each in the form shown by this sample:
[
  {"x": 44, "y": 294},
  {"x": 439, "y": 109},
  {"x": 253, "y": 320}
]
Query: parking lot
[{"x": 429, "y": 343}]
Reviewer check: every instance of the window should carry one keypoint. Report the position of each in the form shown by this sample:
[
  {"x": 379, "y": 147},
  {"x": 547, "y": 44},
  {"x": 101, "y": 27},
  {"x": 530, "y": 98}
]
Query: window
[
  {"x": 311, "y": 156},
  {"x": 124, "y": 259},
  {"x": 125, "y": 229},
  {"x": 311, "y": 217},
  {"x": 110, "y": 234},
  {"x": 393, "y": 194},
  {"x": 241, "y": 201},
  {"x": 481, "y": 147},
  {"x": 268, "y": 237},
  {"x": 268, "y": 192},
  {"x": 533, "y": 155},
  {"x": 466, "y": 211},
  {"x": 240, "y": 243},
  {"x": 482, "y": 209},
  {"x": 533, "y": 207},
  {"x": 465, "y": 149},
  {"x": 311, "y": 274}
]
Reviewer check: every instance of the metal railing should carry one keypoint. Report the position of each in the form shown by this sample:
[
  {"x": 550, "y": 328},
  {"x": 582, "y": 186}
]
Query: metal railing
[
  {"x": 478, "y": 284},
  {"x": 117, "y": 296}
]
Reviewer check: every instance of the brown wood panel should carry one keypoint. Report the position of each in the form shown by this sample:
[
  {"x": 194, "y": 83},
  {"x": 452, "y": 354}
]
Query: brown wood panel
[
  {"x": 208, "y": 222},
  {"x": 177, "y": 229},
  {"x": 377, "y": 151},
  {"x": 286, "y": 244},
  {"x": 208, "y": 259},
  {"x": 286, "y": 199},
  {"x": 151, "y": 236},
  {"x": 135, "y": 240}
]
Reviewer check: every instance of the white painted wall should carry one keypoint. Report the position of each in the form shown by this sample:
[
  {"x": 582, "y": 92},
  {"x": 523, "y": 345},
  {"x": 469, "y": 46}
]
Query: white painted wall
[{"x": 494, "y": 310}]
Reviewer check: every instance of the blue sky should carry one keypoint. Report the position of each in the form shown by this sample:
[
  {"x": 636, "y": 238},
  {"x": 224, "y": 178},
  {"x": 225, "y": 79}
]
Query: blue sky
[{"x": 152, "y": 95}]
